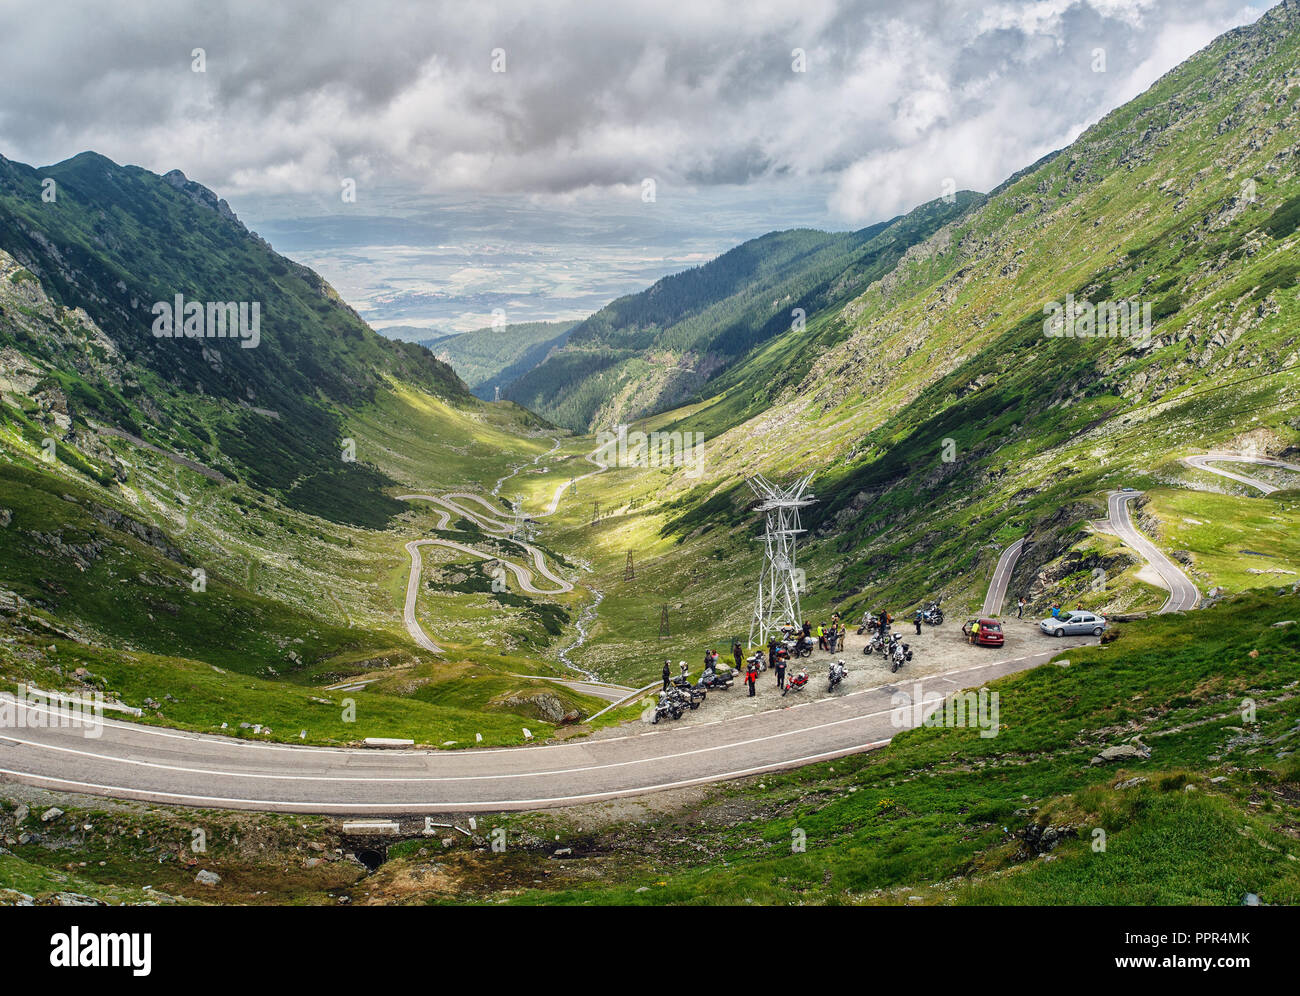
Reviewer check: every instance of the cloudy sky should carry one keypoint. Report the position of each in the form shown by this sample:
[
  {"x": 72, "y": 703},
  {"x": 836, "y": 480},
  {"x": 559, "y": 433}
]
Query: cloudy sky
[{"x": 476, "y": 128}]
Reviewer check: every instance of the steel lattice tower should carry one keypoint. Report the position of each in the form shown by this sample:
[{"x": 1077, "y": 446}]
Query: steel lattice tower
[{"x": 780, "y": 581}]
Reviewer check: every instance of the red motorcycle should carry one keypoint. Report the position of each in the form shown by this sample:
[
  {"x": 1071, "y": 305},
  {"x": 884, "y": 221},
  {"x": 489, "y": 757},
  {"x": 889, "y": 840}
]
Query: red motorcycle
[{"x": 796, "y": 682}]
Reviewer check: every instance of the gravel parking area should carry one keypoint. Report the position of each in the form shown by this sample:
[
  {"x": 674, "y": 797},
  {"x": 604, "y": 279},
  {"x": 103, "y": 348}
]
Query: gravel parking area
[{"x": 937, "y": 650}]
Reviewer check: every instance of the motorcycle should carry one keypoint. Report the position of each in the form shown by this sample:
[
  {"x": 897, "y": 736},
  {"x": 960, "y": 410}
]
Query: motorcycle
[
  {"x": 759, "y": 659},
  {"x": 899, "y": 653},
  {"x": 796, "y": 683},
  {"x": 932, "y": 615},
  {"x": 876, "y": 643},
  {"x": 667, "y": 706},
  {"x": 800, "y": 647},
  {"x": 692, "y": 695},
  {"x": 838, "y": 670},
  {"x": 717, "y": 680},
  {"x": 870, "y": 625}
]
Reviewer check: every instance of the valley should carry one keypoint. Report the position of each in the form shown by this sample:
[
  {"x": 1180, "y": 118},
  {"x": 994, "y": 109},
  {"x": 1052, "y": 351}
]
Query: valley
[{"x": 331, "y": 580}]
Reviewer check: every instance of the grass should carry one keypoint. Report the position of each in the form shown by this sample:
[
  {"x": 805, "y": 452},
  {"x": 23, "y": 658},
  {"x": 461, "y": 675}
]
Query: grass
[
  {"x": 1238, "y": 542},
  {"x": 941, "y": 814}
]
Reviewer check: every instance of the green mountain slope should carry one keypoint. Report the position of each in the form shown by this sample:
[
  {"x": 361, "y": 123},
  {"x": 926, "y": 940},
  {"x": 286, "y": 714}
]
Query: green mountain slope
[
  {"x": 116, "y": 239},
  {"x": 200, "y": 529},
  {"x": 489, "y": 358},
  {"x": 943, "y": 423},
  {"x": 651, "y": 351}
]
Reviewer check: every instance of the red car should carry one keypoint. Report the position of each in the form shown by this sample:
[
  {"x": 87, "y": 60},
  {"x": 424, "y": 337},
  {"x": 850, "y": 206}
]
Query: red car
[{"x": 990, "y": 632}]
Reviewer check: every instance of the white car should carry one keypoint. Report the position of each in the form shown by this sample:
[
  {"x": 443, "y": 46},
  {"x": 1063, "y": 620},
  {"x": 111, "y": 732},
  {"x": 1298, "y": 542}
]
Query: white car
[{"x": 1076, "y": 623}]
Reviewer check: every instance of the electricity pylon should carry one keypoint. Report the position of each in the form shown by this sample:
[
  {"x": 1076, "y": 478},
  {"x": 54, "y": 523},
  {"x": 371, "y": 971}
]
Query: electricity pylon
[{"x": 780, "y": 582}]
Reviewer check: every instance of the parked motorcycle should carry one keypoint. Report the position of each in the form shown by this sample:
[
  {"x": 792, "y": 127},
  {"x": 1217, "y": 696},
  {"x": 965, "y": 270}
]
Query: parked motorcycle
[
  {"x": 796, "y": 683},
  {"x": 932, "y": 615},
  {"x": 875, "y": 644},
  {"x": 692, "y": 695},
  {"x": 899, "y": 653},
  {"x": 800, "y": 647},
  {"x": 838, "y": 670},
  {"x": 667, "y": 707},
  {"x": 718, "y": 681}
]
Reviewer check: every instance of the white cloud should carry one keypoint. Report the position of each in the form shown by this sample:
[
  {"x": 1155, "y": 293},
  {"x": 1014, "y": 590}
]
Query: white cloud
[{"x": 898, "y": 94}]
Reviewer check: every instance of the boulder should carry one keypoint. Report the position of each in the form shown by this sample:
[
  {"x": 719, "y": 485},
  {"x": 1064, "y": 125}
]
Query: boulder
[
  {"x": 538, "y": 703},
  {"x": 206, "y": 877},
  {"x": 1121, "y": 752}
]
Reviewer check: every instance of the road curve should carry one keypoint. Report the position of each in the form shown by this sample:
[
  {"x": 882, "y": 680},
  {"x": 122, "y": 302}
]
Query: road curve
[
  {"x": 997, "y": 593},
  {"x": 1201, "y": 462},
  {"x": 132, "y": 761},
  {"x": 1183, "y": 594},
  {"x": 451, "y": 502}
]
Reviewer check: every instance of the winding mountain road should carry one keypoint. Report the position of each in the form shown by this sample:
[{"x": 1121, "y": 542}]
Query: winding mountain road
[
  {"x": 489, "y": 522},
  {"x": 133, "y": 761},
  {"x": 997, "y": 593},
  {"x": 1183, "y": 594},
  {"x": 1201, "y": 461}
]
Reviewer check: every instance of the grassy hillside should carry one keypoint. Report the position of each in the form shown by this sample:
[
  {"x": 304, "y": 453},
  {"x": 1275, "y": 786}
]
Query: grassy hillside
[
  {"x": 648, "y": 352},
  {"x": 491, "y": 358},
  {"x": 117, "y": 239},
  {"x": 1204, "y": 812},
  {"x": 169, "y": 538},
  {"x": 945, "y": 816}
]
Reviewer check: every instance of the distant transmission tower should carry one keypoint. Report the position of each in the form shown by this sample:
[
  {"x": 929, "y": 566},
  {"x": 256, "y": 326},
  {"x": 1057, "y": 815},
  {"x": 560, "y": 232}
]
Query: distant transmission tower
[
  {"x": 498, "y": 390},
  {"x": 595, "y": 511},
  {"x": 521, "y": 526},
  {"x": 629, "y": 572},
  {"x": 780, "y": 581}
]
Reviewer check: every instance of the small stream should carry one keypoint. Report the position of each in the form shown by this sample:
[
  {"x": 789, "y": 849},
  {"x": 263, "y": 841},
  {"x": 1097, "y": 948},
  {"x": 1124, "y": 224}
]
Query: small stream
[
  {"x": 588, "y": 614},
  {"x": 585, "y": 618}
]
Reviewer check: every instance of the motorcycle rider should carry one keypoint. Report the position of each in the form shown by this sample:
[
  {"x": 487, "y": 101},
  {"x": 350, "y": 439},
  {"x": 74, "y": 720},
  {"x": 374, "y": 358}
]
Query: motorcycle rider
[
  {"x": 771, "y": 652},
  {"x": 738, "y": 654},
  {"x": 668, "y": 674},
  {"x": 780, "y": 674},
  {"x": 1020, "y": 607},
  {"x": 917, "y": 621},
  {"x": 751, "y": 676}
]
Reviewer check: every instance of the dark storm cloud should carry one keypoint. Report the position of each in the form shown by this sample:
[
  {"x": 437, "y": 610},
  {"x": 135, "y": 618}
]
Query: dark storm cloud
[{"x": 898, "y": 94}]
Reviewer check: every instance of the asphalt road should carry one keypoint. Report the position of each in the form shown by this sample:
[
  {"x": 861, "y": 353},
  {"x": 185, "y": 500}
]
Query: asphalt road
[
  {"x": 997, "y": 593},
  {"x": 1201, "y": 461},
  {"x": 132, "y": 761},
  {"x": 1183, "y": 595}
]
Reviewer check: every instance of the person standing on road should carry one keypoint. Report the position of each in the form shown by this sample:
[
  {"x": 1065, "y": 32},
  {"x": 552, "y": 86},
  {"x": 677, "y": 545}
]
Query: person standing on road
[
  {"x": 917, "y": 620},
  {"x": 780, "y": 674},
  {"x": 1020, "y": 608},
  {"x": 751, "y": 676},
  {"x": 771, "y": 652},
  {"x": 667, "y": 674},
  {"x": 738, "y": 654}
]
